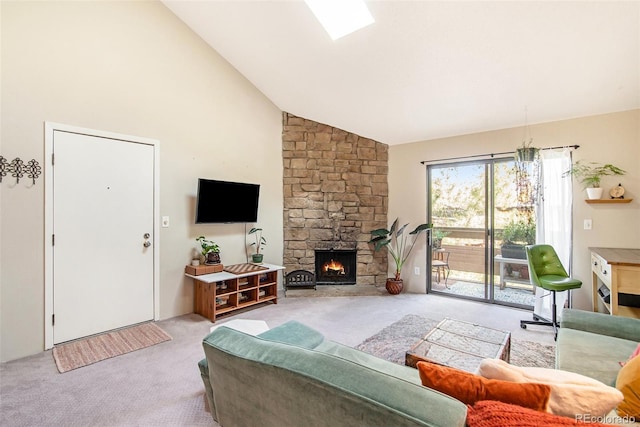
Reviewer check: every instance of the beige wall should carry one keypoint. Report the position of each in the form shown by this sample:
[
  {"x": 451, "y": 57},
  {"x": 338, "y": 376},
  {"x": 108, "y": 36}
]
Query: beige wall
[
  {"x": 610, "y": 138},
  {"x": 132, "y": 68}
]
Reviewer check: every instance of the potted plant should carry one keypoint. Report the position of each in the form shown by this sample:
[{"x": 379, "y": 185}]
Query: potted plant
[
  {"x": 590, "y": 174},
  {"x": 260, "y": 241},
  {"x": 437, "y": 237},
  {"x": 526, "y": 152},
  {"x": 210, "y": 250},
  {"x": 515, "y": 236},
  {"x": 399, "y": 246}
]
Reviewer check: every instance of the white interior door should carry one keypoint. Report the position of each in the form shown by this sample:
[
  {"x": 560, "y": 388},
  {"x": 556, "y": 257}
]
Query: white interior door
[{"x": 103, "y": 213}]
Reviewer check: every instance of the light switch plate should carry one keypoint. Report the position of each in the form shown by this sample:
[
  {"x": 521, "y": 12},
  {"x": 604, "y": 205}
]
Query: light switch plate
[
  {"x": 587, "y": 224},
  {"x": 165, "y": 221}
]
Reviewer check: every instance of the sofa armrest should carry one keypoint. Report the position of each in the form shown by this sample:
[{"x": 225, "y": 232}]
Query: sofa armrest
[{"x": 602, "y": 324}]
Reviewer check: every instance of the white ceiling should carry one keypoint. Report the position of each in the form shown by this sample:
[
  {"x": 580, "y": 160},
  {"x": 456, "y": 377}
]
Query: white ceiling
[{"x": 431, "y": 69}]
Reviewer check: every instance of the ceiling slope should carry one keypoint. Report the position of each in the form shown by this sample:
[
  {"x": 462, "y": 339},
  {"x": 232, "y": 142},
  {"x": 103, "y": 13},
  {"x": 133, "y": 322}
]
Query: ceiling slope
[{"x": 431, "y": 69}]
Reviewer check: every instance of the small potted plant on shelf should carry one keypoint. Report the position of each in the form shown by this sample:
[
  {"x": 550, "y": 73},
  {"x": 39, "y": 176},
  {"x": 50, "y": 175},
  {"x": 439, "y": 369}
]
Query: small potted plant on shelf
[
  {"x": 260, "y": 241},
  {"x": 590, "y": 175},
  {"x": 399, "y": 246},
  {"x": 210, "y": 250}
]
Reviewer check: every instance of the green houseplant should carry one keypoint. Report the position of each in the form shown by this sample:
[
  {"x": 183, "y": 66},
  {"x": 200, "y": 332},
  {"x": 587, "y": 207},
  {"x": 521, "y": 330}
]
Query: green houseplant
[
  {"x": 399, "y": 246},
  {"x": 210, "y": 250},
  {"x": 260, "y": 241},
  {"x": 515, "y": 235},
  {"x": 590, "y": 174},
  {"x": 437, "y": 237},
  {"x": 526, "y": 152}
]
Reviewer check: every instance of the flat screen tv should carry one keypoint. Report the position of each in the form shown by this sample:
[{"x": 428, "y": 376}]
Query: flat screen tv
[{"x": 225, "y": 202}]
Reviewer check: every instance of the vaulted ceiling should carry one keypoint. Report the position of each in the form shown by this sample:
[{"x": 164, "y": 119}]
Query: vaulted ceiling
[{"x": 431, "y": 69}]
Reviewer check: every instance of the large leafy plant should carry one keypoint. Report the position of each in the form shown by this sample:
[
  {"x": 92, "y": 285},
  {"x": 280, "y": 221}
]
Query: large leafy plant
[{"x": 397, "y": 242}]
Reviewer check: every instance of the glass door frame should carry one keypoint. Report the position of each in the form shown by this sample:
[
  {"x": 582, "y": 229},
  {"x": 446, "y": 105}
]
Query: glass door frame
[{"x": 489, "y": 265}]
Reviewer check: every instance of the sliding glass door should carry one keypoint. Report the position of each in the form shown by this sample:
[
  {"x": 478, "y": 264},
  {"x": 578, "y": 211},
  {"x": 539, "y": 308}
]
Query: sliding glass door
[{"x": 480, "y": 228}]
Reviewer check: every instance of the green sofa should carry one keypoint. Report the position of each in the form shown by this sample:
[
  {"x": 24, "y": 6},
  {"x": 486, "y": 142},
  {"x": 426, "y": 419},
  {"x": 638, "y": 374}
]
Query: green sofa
[
  {"x": 291, "y": 376},
  {"x": 594, "y": 344}
]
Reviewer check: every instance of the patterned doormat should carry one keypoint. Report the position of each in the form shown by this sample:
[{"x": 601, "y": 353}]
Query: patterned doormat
[
  {"x": 392, "y": 342},
  {"x": 86, "y": 351}
]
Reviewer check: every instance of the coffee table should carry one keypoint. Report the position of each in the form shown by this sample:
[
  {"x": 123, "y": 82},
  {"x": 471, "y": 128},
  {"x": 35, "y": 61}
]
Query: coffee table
[{"x": 460, "y": 345}]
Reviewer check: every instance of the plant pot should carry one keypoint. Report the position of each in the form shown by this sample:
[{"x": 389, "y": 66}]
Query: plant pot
[
  {"x": 594, "y": 193},
  {"x": 394, "y": 287},
  {"x": 526, "y": 154},
  {"x": 257, "y": 258},
  {"x": 513, "y": 251},
  {"x": 212, "y": 258}
]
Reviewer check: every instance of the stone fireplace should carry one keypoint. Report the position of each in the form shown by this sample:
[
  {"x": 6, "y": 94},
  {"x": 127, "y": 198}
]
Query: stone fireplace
[
  {"x": 335, "y": 192},
  {"x": 335, "y": 267}
]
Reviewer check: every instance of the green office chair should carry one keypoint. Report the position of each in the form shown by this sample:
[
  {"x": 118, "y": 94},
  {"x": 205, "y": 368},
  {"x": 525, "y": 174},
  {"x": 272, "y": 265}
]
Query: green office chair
[{"x": 547, "y": 272}]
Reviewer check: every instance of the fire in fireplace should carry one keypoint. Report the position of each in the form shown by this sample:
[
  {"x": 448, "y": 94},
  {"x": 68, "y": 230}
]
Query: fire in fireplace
[{"x": 335, "y": 266}]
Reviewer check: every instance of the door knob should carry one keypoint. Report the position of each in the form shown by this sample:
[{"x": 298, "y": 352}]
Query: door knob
[{"x": 146, "y": 244}]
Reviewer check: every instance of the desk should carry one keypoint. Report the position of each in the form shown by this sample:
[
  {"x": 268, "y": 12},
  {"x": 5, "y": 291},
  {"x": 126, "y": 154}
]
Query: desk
[
  {"x": 619, "y": 271},
  {"x": 504, "y": 273}
]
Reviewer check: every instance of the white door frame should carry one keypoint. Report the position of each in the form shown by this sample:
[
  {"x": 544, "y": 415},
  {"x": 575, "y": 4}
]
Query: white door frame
[{"x": 50, "y": 128}]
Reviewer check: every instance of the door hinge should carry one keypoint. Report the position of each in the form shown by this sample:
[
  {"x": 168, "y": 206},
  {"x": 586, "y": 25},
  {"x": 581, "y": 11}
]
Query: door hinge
[
  {"x": 53, "y": 320},
  {"x": 53, "y": 159},
  {"x": 53, "y": 240}
]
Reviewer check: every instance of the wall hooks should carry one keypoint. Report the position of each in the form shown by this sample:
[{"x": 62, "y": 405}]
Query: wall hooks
[{"x": 18, "y": 169}]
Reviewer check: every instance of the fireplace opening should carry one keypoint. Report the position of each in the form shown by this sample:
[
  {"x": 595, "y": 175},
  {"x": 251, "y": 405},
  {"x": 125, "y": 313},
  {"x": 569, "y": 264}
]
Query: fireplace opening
[{"x": 335, "y": 266}]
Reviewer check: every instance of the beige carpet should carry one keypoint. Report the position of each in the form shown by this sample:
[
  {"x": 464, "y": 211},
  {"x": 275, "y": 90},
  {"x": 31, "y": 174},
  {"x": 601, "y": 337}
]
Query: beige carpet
[{"x": 86, "y": 351}]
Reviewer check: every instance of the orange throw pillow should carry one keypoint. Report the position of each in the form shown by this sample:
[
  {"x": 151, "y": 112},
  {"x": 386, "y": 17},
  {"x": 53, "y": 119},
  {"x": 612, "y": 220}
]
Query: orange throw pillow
[
  {"x": 469, "y": 388},
  {"x": 499, "y": 414},
  {"x": 628, "y": 382}
]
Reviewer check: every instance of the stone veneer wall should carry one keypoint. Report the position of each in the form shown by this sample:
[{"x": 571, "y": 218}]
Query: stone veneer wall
[{"x": 335, "y": 193}]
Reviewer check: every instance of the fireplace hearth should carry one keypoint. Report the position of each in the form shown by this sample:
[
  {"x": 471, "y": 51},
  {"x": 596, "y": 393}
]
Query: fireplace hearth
[{"x": 335, "y": 266}]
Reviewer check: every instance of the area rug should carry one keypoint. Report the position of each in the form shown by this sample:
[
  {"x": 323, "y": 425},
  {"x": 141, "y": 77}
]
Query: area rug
[
  {"x": 392, "y": 342},
  {"x": 86, "y": 351}
]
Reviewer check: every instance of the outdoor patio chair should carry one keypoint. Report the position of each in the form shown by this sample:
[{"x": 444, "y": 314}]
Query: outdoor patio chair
[{"x": 440, "y": 264}]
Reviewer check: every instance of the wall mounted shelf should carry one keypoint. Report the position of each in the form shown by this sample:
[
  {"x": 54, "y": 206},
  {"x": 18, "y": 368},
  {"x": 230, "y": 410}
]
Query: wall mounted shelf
[{"x": 608, "y": 200}]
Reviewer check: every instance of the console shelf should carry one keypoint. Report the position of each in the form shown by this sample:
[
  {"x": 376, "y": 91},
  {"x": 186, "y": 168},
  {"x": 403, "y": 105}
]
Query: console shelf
[
  {"x": 616, "y": 280},
  {"x": 219, "y": 293},
  {"x": 595, "y": 201}
]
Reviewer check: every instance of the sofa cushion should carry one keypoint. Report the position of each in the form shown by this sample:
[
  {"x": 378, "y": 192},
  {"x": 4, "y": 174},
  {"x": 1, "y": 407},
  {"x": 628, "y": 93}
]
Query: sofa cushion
[
  {"x": 591, "y": 354},
  {"x": 294, "y": 333},
  {"x": 571, "y": 394},
  {"x": 628, "y": 382},
  {"x": 489, "y": 413},
  {"x": 470, "y": 388}
]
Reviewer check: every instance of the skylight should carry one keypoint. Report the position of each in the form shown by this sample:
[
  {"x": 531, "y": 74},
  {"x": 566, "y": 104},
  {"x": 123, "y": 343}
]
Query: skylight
[{"x": 341, "y": 17}]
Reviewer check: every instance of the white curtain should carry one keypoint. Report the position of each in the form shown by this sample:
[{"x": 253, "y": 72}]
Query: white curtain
[{"x": 554, "y": 220}]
